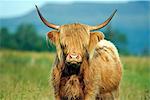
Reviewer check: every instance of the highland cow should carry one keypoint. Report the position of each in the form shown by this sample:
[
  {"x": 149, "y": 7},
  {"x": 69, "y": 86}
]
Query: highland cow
[{"x": 87, "y": 67}]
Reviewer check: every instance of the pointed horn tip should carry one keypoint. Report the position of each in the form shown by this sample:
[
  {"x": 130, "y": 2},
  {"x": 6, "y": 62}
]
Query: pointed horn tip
[
  {"x": 104, "y": 23},
  {"x": 115, "y": 11},
  {"x": 36, "y": 6},
  {"x": 45, "y": 21}
]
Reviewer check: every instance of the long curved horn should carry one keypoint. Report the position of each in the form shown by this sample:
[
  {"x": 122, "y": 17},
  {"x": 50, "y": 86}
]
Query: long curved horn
[
  {"x": 103, "y": 24},
  {"x": 45, "y": 21}
]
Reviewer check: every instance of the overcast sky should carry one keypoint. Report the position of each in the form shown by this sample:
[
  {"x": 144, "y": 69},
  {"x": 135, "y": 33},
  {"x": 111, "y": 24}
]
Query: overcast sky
[{"x": 14, "y": 8}]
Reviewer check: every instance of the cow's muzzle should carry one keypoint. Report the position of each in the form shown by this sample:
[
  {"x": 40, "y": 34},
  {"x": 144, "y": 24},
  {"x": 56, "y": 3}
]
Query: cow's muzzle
[
  {"x": 73, "y": 59},
  {"x": 72, "y": 64}
]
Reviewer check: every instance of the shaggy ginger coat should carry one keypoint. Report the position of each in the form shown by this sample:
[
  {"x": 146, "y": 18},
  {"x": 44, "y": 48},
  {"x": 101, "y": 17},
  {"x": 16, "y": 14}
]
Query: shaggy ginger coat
[{"x": 100, "y": 73}]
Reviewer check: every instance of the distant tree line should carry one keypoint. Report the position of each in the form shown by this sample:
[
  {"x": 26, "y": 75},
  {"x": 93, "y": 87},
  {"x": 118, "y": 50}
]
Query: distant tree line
[
  {"x": 118, "y": 38},
  {"x": 24, "y": 38}
]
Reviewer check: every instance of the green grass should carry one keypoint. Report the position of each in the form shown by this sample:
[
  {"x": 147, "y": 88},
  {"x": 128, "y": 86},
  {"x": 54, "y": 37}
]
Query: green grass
[
  {"x": 25, "y": 76},
  {"x": 135, "y": 84}
]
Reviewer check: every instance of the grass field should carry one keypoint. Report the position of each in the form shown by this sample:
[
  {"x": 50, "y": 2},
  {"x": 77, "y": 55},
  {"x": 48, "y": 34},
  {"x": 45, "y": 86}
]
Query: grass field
[{"x": 25, "y": 75}]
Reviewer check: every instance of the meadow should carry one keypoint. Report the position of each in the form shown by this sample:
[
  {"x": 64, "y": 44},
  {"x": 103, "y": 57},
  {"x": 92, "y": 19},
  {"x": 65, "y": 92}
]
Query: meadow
[{"x": 25, "y": 76}]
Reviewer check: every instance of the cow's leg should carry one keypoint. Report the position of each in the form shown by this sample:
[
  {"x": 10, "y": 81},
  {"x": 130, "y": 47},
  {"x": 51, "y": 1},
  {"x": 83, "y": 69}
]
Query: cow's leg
[
  {"x": 115, "y": 94},
  {"x": 56, "y": 74},
  {"x": 89, "y": 93},
  {"x": 105, "y": 96}
]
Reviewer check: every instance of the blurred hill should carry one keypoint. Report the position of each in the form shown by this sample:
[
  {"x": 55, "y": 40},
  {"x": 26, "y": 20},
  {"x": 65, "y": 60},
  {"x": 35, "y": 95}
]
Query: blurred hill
[{"x": 132, "y": 19}]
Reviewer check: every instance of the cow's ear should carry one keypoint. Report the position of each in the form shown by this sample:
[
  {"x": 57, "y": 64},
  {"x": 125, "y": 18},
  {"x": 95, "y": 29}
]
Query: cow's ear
[
  {"x": 95, "y": 37},
  {"x": 52, "y": 36}
]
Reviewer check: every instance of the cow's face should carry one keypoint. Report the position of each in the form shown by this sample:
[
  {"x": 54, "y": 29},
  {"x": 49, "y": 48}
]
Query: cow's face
[{"x": 74, "y": 42}]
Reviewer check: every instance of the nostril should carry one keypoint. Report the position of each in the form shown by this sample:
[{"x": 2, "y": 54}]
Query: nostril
[
  {"x": 77, "y": 57},
  {"x": 70, "y": 56}
]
